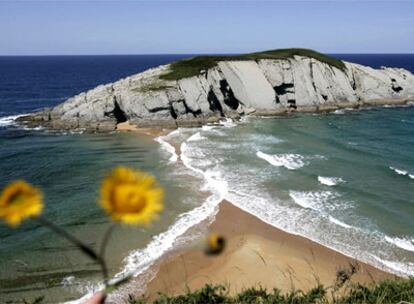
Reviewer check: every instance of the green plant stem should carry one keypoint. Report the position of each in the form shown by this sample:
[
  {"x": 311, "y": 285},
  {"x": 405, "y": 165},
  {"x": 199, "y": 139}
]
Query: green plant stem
[
  {"x": 82, "y": 246},
  {"x": 104, "y": 244}
]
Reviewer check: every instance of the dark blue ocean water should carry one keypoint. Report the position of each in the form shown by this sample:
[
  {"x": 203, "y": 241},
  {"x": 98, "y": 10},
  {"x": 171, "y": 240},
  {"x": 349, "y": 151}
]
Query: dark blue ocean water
[{"x": 69, "y": 167}]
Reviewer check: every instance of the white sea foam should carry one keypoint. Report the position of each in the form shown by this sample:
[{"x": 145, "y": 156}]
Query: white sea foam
[
  {"x": 195, "y": 137},
  {"x": 343, "y": 111},
  {"x": 172, "y": 134},
  {"x": 9, "y": 120},
  {"x": 208, "y": 127},
  {"x": 402, "y": 172},
  {"x": 338, "y": 222},
  {"x": 166, "y": 146},
  {"x": 38, "y": 128},
  {"x": 228, "y": 123},
  {"x": 399, "y": 171},
  {"x": 324, "y": 201},
  {"x": 340, "y": 111},
  {"x": 330, "y": 181},
  {"x": 289, "y": 161},
  {"x": 310, "y": 200},
  {"x": 404, "y": 243},
  {"x": 405, "y": 269}
]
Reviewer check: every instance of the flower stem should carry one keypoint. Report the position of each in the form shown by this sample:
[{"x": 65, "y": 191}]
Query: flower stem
[{"x": 82, "y": 246}]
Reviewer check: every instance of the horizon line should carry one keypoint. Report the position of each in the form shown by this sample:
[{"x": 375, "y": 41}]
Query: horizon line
[{"x": 195, "y": 54}]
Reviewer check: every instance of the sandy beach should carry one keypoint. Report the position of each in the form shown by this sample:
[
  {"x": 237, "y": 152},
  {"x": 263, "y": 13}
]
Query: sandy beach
[
  {"x": 256, "y": 254},
  {"x": 152, "y": 132}
]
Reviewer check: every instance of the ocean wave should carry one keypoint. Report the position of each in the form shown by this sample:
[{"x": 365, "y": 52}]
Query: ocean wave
[
  {"x": 195, "y": 137},
  {"x": 339, "y": 223},
  {"x": 321, "y": 201},
  {"x": 172, "y": 134},
  {"x": 265, "y": 139},
  {"x": 289, "y": 161},
  {"x": 343, "y": 111},
  {"x": 406, "y": 269},
  {"x": 311, "y": 199},
  {"x": 166, "y": 146},
  {"x": 399, "y": 171},
  {"x": 38, "y": 128},
  {"x": 208, "y": 127},
  {"x": 228, "y": 123},
  {"x": 330, "y": 181},
  {"x": 9, "y": 120},
  {"x": 403, "y": 243},
  {"x": 402, "y": 172},
  {"x": 339, "y": 112}
]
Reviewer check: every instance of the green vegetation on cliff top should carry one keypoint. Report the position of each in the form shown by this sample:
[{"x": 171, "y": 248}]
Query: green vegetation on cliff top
[{"x": 193, "y": 66}]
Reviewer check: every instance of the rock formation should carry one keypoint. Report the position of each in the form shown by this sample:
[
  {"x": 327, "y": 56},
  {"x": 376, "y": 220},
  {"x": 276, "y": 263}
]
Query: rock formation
[{"x": 229, "y": 89}]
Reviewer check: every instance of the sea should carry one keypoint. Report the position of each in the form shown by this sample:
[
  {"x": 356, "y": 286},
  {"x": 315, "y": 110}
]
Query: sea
[{"x": 343, "y": 179}]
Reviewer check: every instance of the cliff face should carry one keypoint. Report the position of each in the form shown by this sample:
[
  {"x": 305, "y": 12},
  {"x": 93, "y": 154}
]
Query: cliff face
[{"x": 230, "y": 89}]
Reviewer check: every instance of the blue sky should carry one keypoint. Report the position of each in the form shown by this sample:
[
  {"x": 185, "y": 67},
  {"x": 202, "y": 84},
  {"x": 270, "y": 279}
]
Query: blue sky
[{"x": 161, "y": 27}]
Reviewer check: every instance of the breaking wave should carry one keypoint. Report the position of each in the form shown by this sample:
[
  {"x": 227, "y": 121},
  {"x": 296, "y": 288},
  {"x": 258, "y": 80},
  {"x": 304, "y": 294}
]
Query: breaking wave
[
  {"x": 403, "y": 243},
  {"x": 339, "y": 223},
  {"x": 406, "y": 269},
  {"x": 166, "y": 146},
  {"x": 330, "y": 181},
  {"x": 402, "y": 172},
  {"x": 318, "y": 200},
  {"x": 9, "y": 120},
  {"x": 195, "y": 137},
  {"x": 289, "y": 161}
]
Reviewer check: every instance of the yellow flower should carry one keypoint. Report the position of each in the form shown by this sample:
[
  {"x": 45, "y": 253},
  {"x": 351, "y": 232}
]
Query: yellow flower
[
  {"x": 215, "y": 244},
  {"x": 130, "y": 196},
  {"x": 20, "y": 200}
]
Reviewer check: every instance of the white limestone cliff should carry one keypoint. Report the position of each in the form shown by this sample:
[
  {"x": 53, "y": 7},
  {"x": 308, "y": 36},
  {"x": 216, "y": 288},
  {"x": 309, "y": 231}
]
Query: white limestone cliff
[{"x": 230, "y": 89}]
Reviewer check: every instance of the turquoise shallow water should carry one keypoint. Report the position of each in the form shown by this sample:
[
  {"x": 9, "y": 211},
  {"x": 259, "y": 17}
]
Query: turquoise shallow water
[
  {"x": 343, "y": 179},
  {"x": 69, "y": 168}
]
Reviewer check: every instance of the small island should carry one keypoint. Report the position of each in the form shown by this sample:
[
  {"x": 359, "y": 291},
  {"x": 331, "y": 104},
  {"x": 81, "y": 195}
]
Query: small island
[{"x": 205, "y": 89}]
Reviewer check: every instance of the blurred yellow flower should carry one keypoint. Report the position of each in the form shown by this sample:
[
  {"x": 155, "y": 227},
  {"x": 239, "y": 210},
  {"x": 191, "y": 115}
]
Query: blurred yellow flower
[
  {"x": 20, "y": 200},
  {"x": 215, "y": 244},
  {"x": 131, "y": 197}
]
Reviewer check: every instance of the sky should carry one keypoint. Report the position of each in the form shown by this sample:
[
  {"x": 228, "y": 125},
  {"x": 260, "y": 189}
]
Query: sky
[{"x": 192, "y": 27}]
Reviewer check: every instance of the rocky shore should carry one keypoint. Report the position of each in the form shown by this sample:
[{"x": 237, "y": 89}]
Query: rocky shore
[{"x": 229, "y": 89}]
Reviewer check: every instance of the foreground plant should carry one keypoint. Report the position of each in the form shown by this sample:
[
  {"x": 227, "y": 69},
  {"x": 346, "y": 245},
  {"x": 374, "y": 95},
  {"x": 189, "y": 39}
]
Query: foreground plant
[
  {"x": 128, "y": 196},
  {"x": 131, "y": 197},
  {"x": 18, "y": 201},
  {"x": 387, "y": 292}
]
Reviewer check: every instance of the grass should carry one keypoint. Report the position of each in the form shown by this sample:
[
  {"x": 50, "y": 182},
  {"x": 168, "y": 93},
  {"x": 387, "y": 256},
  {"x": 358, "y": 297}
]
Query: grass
[
  {"x": 386, "y": 292},
  {"x": 193, "y": 66}
]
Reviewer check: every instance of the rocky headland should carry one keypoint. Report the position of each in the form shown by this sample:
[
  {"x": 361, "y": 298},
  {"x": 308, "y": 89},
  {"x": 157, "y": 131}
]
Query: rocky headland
[{"x": 205, "y": 89}]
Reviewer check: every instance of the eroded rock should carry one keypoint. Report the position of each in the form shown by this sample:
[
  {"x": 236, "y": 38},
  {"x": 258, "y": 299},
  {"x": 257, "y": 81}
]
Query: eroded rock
[{"x": 230, "y": 89}]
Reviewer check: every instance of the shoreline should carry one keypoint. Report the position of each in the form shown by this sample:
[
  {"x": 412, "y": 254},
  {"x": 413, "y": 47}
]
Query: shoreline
[
  {"x": 256, "y": 254},
  {"x": 299, "y": 262}
]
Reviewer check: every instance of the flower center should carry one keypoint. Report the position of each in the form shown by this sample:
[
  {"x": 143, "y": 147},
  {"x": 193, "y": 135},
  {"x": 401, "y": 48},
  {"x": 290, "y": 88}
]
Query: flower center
[
  {"x": 128, "y": 198},
  {"x": 16, "y": 198}
]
